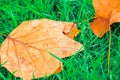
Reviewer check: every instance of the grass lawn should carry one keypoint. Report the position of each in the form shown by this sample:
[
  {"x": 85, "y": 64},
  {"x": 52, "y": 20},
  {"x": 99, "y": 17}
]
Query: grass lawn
[{"x": 92, "y": 63}]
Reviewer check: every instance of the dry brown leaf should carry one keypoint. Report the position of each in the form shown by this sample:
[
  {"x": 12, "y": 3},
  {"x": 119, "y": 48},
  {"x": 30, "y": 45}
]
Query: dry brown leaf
[
  {"x": 107, "y": 13},
  {"x": 26, "y": 48}
]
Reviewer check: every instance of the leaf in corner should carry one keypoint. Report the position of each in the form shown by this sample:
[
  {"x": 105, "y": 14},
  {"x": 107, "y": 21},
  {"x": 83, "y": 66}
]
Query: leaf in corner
[{"x": 107, "y": 13}]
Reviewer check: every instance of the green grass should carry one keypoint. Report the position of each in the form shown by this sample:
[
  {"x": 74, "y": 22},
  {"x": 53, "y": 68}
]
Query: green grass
[{"x": 91, "y": 64}]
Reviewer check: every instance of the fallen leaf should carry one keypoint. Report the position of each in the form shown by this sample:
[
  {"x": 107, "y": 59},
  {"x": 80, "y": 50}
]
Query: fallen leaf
[
  {"x": 107, "y": 13},
  {"x": 26, "y": 48}
]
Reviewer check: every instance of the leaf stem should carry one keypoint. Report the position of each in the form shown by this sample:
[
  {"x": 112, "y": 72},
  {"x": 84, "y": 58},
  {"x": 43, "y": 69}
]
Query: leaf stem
[
  {"x": 109, "y": 47},
  {"x": 3, "y": 34}
]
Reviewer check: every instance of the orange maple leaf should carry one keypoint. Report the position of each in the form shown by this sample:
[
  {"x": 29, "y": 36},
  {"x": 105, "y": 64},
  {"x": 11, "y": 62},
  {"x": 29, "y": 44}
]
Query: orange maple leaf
[
  {"x": 26, "y": 48},
  {"x": 107, "y": 13}
]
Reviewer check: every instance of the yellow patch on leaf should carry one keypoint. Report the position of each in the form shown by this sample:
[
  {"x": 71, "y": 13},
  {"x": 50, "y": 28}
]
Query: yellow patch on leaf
[
  {"x": 26, "y": 48},
  {"x": 107, "y": 13}
]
